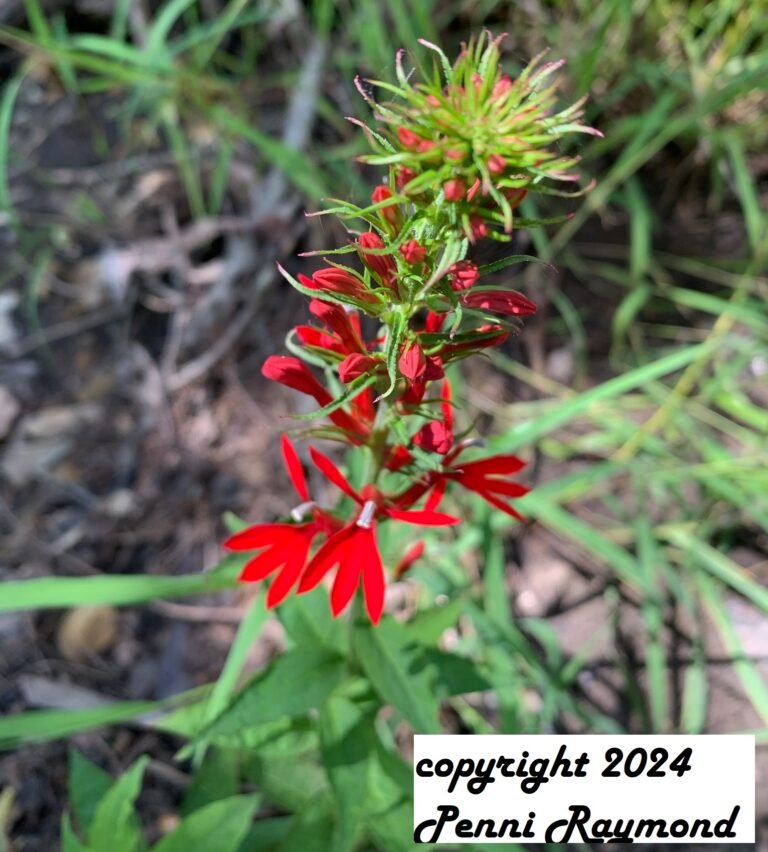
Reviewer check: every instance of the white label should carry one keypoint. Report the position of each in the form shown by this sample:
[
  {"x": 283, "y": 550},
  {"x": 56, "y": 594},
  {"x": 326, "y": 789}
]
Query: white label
[{"x": 584, "y": 789}]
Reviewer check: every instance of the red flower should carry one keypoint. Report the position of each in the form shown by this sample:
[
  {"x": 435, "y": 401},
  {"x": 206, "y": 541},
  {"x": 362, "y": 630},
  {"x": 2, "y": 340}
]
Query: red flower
[
  {"x": 295, "y": 374},
  {"x": 413, "y": 252},
  {"x": 477, "y": 228},
  {"x": 405, "y": 176},
  {"x": 356, "y": 365},
  {"x": 508, "y": 302},
  {"x": 382, "y": 265},
  {"x": 332, "y": 280},
  {"x": 416, "y": 551},
  {"x": 463, "y": 274},
  {"x": 355, "y": 549},
  {"x": 389, "y": 213},
  {"x": 284, "y": 547},
  {"x": 454, "y": 189},
  {"x": 496, "y": 164}
]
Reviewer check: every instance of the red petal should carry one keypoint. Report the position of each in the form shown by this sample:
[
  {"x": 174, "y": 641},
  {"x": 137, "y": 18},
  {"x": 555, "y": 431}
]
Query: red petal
[
  {"x": 447, "y": 407},
  {"x": 501, "y": 505},
  {"x": 329, "y": 470},
  {"x": 373, "y": 576},
  {"x": 327, "y": 556},
  {"x": 350, "y": 569},
  {"x": 482, "y": 484},
  {"x": 498, "y": 465},
  {"x": 414, "y": 552},
  {"x": 294, "y": 468},
  {"x": 261, "y": 535},
  {"x": 263, "y": 565},
  {"x": 286, "y": 579},
  {"x": 425, "y": 517},
  {"x": 435, "y": 498}
]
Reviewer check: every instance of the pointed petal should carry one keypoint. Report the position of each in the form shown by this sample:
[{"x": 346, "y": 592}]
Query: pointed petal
[
  {"x": 294, "y": 468},
  {"x": 260, "y": 535},
  {"x": 331, "y": 552},
  {"x": 329, "y": 470},
  {"x": 501, "y": 505},
  {"x": 494, "y": 465},
  {"x": 374, "y": 582},
  {"x": 438, "y": 492},
  {"x": 263, "y": 565},
  {"x": 425, "y": 517},
  {"x": 481, "y": 484},
  {"x": 348, "y": 575},
  {"x": 286, "y": 579}
]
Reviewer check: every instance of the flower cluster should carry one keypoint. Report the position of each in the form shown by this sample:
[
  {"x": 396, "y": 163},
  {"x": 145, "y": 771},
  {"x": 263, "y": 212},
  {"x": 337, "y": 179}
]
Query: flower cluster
[{"x": 461, "y": 151}]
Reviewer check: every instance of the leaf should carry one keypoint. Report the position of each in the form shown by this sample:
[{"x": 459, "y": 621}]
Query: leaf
[
  {"x": 395, "y": 337},
  {"x": 220, "y": 825},
  {"x": 346, "y": 744},
  {"x": 114, "y": 826},
  {"x": 294, "y": 684},
  {"x": 63, "y": 592},
  {"x": 455, "y": 675},
  {"x": 352, "y": 390},
  {"x": 87, "y": 785},
  {"x": 43, "y": 725},
  {"x": 217, "y": 778},
  {"x": 398, "y": 672},
  {"x": 69, "y": 840},
  {"x": 308, "y": 622}
]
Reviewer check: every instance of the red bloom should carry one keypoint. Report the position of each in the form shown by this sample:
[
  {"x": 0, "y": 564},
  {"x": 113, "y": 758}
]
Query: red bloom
[
  {"x": 484, "y": 337},
  {"x": 413, "y": 252},
  {"x": 477, "y": 228},
  {"x": 390, "y": 213},
  {"x": 463, "y": 274},
  {"x": 284, "y": 547},
  {"x": 354, "y": 548},
  {"x": 508, "y": 302},
  {"x": 356, "y": 365},
  {"x": 496, "y": 164},
  {"x": 295, "y": 374},
  {"x": 408, "y": 139},
  {"x": 405, "y": 176},
  {"x": 332, "y": 280},
  {"x": 340, "y": 322},
  {"x": 416, "y": 551},
  {"x": 382, "y": 265},
  {"x": 455, "y": 189}
]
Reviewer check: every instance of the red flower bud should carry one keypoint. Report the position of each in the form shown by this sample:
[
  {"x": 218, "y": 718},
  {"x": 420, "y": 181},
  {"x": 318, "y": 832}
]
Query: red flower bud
[
  {"x": 382, "y": 265},
  {"x": 356, "y": 365},
  {"x": 462, "y": 275},
  {"x": 515, "y": 196},
  {"x": 496, "y": 164},
  {"x": 434, "y": 437},
  {"x": 408, "y": 139},
  {"x": 501, "y": 87},
  {"x": 508, "y": 302},
  {"x": 413, "y": 553},
  {"x": 455, "y": 189},
  {"x": 412, "y": 362},
  {"x": 478, "y": 228},
  {"x": 405, "y": 176},
  {"x": 334, "y": 280},
  {"x": 389, "y": 214},
  {"x": 413, "y": 252}
]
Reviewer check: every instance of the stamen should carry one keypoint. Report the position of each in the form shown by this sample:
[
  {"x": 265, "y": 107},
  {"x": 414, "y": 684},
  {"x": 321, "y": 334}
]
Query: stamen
[
  {"x": 302, "y": 510},
  {"x": 366, "y": 516}
]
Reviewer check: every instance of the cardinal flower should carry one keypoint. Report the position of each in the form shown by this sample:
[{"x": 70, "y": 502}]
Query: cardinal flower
[
  {"x": 508, "y": 302},
  {"x": 341, "y": 334},
  {"x": 354, "y": 547},
  {"x": 293, "y": 373},
  {"x": 284, "y": 546}
]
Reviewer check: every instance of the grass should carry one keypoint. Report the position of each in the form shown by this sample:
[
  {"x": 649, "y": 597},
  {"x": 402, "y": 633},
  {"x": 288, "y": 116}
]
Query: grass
[{"x": 676, "y": 440}]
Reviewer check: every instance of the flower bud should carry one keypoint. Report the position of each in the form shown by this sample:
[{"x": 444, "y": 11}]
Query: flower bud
[
  {"x": 356, "y": 365},
  {"x": 389, "y": 214},
  {"x": 455, "y": 189},
  {"x": 462, "y": 275},
  {"x": 413, "y": 252},
  {"x": 382, "y": 265},
  {"x": 496, "y": 164}
]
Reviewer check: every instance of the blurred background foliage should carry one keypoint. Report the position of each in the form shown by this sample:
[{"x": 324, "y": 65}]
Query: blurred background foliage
[{"x": 155, "y": 159}]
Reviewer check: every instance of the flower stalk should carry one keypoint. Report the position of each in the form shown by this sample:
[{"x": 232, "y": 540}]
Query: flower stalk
[{"x": 462, "y": 148}]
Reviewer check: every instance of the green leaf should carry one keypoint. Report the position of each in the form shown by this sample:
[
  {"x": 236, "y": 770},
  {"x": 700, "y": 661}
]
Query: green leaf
[
  {"x": 69, "y": 840},
  {"x": 346, "y": 743},
  {"x": 61, "y": 592},
  {"x": 395, "y": 337},
  {"x": 455, "y": 675},
  {"x": 43, "y": 725},
  {"x": 308, "y": 622},
  {"x": 352, "y": 390},
  {"x": 294, "y": 684},
  {"x": 87, "y": 785},
  {"x": 220, "y": 825},
  {"x": 217, "y": 778},
  {"x": 396, "y": 668},
  {"x": 114, "y": 826}
]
